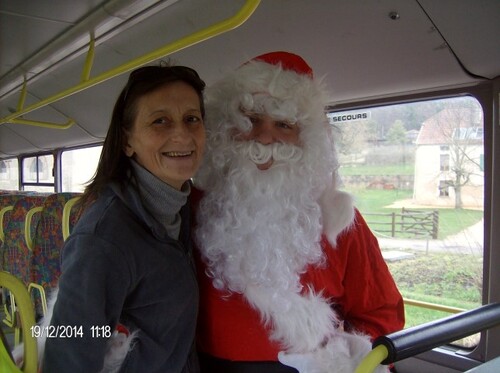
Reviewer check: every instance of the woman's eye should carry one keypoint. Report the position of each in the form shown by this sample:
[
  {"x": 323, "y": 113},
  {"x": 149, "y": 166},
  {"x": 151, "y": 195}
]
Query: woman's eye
[
  {"x": 193, "y": 119},
  {"x": 161, "y": 120}
]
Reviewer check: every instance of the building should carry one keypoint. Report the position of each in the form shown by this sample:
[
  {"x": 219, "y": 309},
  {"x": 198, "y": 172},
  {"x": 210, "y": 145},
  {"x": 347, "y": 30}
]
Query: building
[{"x": 449, "y": 159}]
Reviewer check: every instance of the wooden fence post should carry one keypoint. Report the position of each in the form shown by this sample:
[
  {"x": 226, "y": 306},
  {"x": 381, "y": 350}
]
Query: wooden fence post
[{"x": 435, "y": 224}]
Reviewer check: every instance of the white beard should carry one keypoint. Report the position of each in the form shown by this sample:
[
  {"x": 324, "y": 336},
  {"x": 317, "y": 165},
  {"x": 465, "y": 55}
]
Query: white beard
[{"x": 253, "y": 222}]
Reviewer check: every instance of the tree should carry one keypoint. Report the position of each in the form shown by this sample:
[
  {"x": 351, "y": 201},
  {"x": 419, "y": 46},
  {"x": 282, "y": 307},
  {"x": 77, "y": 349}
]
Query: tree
[
  {"x": 458, "y": 129},
  {"x": 397, "y": 133}
]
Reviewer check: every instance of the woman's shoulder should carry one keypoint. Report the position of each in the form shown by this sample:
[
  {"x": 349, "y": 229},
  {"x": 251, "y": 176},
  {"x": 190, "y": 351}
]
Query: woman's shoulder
[{"x": 108, "y": 210}]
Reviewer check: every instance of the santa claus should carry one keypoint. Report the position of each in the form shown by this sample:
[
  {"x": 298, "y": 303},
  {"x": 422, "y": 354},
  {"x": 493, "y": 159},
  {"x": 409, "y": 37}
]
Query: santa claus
[{"x": 291, "y": 278}]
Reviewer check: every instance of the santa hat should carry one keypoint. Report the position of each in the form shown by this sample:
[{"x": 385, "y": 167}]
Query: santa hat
[{"x": 287, "y": 61}]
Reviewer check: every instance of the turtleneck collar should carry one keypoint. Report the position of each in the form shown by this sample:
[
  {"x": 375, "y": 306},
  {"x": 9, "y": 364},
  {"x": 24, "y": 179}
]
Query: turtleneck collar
[{"x": 161, "y": 200}]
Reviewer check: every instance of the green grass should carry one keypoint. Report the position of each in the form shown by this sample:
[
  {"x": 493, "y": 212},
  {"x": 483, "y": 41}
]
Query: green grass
[{"x": 453, "y": 280}]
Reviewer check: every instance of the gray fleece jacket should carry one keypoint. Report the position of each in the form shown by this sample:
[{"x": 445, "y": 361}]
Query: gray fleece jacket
[{"x": 121, "y": 266}]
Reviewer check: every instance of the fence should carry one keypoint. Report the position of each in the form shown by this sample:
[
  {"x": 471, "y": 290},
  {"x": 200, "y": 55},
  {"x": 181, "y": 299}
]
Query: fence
[{"x": 406, "y": 224}]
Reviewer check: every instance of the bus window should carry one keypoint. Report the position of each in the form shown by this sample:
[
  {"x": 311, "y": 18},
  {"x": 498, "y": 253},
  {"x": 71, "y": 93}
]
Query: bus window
[
  {"x": 38, "y": 173},
  {"x": 417, "y": 173},
  {"x": 9, "y": 174},
  {"x": 78, "y": 167}
]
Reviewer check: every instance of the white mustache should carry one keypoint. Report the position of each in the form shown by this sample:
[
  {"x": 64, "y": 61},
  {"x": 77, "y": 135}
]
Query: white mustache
[{"x": 260, "y": 153}]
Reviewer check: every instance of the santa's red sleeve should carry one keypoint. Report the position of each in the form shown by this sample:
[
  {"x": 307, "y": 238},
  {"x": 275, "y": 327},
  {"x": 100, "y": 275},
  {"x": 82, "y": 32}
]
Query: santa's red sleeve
[{"x": 357, "y": 280}]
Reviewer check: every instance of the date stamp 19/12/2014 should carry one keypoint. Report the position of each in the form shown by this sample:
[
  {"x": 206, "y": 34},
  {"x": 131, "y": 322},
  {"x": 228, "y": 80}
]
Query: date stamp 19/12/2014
[{"x": 69, "y": 331}]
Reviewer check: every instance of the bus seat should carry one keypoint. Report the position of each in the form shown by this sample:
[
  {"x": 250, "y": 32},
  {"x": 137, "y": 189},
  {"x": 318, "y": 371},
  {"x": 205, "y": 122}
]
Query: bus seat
[
  {"x": 415, "y": 340},
  {"x": 24, "y": 308},
  {"x": 16, "y": 254},
  {"x": 7, "y": 201},
  {"x": 47, "y": 245}
]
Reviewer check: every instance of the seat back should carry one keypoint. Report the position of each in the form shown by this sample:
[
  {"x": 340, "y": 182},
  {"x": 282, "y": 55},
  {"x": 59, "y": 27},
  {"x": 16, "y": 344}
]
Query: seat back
[
  {"x": 7, "y": 202},
  {"x": 16, "y": 254},
  {"x": 48, "y": 241}
]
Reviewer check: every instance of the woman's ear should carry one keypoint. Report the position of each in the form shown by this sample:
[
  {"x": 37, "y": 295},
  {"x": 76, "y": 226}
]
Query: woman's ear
[{"x": 127, "y": 148}]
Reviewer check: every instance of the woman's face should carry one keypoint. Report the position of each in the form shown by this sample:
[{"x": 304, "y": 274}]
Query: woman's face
[{"x": 168, "y": 135}]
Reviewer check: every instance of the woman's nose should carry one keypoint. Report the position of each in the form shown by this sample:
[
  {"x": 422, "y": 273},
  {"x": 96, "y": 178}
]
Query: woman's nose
[{"x": 180, "y": 133}]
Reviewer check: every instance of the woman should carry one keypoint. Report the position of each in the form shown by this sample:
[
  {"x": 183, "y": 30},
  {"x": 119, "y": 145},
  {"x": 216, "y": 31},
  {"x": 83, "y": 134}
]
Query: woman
[{"x": 127, "y": 265}]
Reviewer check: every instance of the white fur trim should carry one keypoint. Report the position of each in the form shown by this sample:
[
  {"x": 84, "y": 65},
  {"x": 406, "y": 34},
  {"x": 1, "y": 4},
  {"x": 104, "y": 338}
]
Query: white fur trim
[
  {"x": 342, "y": 354},
  {"x": 337, "y": 209},
  {"x": 117, "y": 348},
  {"x": 298, "y": 322}
]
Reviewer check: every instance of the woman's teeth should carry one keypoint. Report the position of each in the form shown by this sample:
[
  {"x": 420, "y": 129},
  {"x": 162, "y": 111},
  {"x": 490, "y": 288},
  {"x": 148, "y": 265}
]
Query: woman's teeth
[{"x": 178, "y": 154}]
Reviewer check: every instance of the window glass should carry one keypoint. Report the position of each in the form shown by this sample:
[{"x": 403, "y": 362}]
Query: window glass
[
  {"x": 9, "y": 174},
  {"x": 38, "y": 173},
  {"x": 417, "y": 173},
  {"x": 78, "y": 167}
]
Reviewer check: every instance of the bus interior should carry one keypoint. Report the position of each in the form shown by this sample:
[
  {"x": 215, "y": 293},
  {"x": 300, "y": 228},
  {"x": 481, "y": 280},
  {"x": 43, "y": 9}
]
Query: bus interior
[{"x": 415, "y": 98}]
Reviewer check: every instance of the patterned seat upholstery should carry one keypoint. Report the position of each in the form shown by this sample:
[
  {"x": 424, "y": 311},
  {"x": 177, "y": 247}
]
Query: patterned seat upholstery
[
  {"x": 48, "y": 241},
  {"x": 16, "y": 254},
  {"x": 7, "y": 201}
]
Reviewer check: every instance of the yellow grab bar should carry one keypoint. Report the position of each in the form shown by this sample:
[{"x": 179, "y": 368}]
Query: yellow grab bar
[
  {"x": 432, "y": 306},
  {"x": 226, "y": 25},
  {"x": 372, "y": 360},
  {"x": 2, "y": 214},
  {"x": 43, "y": 298},
  {"x": 27, "y": 226},
  {"x": 27, "y": 316},
  {"x": 66, "y": 216}
]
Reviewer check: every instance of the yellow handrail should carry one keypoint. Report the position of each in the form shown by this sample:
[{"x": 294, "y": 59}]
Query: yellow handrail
[
  {"x": 66, "y": 216},
  {"x": 40, "y": 123},
  {"x": 3, "y": 211},
  {"x": 373, "y": 359},
  {"x": 27, "y": 226},
  {"x": 27, "y": 317},
  {"x": 43, "y": 298},
  {"x": 226, "y": 25},
  {"x": 432, "y": 306},
  {"x": 20, "y": 105}
]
